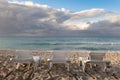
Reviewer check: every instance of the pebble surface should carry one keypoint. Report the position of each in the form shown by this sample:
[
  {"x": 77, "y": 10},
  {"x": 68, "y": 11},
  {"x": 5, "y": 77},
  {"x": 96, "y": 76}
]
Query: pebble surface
[{"x": 58, "y": 71}]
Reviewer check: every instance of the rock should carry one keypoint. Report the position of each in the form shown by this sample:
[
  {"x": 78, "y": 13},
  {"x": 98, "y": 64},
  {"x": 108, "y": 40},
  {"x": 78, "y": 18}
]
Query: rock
[{"x": 20, "y": 78}]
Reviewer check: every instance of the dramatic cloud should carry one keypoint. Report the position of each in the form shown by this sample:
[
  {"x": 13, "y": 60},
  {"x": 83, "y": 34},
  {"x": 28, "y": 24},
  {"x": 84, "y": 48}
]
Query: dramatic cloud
[
  {"x": 108, "y": 27},
  {"x": 32, "y": 19}
]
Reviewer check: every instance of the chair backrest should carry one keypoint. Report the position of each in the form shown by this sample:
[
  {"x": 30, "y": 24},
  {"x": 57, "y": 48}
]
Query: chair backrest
[
  {"x": 24, "y": 54},
  {"x": 97, "y": 55},
  {"x": 59, "y": 55}
]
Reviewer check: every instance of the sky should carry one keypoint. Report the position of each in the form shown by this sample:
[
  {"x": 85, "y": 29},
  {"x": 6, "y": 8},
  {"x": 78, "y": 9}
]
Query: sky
[
  {"x": 60, "y": 18},
  {"x": 77, "y": 5}
]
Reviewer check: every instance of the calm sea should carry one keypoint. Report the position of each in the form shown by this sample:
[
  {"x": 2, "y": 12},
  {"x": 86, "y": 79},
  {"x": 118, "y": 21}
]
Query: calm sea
[{"x": 60, "y": 43}]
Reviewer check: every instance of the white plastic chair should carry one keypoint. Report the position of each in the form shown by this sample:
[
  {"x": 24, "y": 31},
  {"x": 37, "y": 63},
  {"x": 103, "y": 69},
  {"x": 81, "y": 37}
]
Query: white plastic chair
[
  {"x": 23, "y": 56},
  {"x": 97, "y": 58},
  {"x": 59, "y": 57}
]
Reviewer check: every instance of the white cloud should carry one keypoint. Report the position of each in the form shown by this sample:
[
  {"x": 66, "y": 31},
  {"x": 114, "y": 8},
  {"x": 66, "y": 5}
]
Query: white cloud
[
  {"x": 88, "y": 13},
  {"x": 114, "y": 18},
  {"x": 81, "y": 26},
  {"x": 29, "y": 3}
]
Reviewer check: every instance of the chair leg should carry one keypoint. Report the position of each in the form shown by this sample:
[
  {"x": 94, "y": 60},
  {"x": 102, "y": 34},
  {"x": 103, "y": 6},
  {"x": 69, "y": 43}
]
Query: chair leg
[
  {"x": 36, "y": 65},
  {"x": 67, "y": 65},
  {"x": 80, "y": 63},
  {"x": 91, "y": 65},
  {"x": 17, "y": 66},
  {"x": 104, "y": 67},
  {"x": 14, "y": 66},
  {"x": 28, "y": 66},
  {"x": 51, "y": 64},
  {"x": 83, "y": 66}
]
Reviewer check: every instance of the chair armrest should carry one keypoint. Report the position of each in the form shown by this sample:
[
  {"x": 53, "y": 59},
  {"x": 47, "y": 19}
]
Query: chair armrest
[
  {"x": 11, "y": 59},
  {"x": 36, "y": 58},
  {"x": 49, "y": 60},
  {"x": 67, "y": 60}
]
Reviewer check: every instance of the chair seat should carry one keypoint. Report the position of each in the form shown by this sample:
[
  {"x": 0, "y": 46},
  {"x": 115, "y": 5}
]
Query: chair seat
[
  {"x": 23, "y": 60},
  {"x": 60, "y": 60},
  {"x": 97, "y": 61}
]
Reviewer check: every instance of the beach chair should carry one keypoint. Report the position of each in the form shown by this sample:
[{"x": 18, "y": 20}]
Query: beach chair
[
  {"x": 23, "y": 56},
  {"x": 59, "y": 57},
  {"x": 98, "y": 59}
]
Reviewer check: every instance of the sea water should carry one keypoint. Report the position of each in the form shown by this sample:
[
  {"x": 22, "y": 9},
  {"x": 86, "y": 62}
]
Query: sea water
[{"x": 60, "y": 43}]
